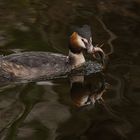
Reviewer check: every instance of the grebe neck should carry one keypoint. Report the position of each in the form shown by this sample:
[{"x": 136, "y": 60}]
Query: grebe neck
[{"x": 76, "y": 59}]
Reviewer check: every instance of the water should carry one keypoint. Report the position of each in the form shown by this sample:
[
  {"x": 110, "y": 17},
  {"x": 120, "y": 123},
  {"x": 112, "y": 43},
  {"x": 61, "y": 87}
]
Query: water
[{"x": 60, "y": 109}]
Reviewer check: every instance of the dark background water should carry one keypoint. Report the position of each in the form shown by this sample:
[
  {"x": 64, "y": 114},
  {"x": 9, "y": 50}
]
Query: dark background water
[{"x": 50, "y": 110}]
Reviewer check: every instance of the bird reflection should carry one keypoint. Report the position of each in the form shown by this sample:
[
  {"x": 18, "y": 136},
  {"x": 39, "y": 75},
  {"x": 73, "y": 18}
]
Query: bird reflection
[{"x": 86, "y": 90}]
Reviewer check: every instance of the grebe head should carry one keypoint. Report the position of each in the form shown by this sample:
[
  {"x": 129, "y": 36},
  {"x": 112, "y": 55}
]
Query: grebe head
[{"x": 81, "y": 39}]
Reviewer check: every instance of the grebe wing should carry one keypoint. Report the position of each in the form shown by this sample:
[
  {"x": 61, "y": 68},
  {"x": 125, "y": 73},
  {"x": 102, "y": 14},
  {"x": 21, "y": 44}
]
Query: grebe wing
[
  {"x": 36, "y": 59},
  {"x": 34, "y": 65}
]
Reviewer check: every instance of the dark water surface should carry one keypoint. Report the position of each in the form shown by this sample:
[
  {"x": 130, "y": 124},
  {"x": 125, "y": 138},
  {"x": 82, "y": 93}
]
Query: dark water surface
[{"x": 101, "y": 106}]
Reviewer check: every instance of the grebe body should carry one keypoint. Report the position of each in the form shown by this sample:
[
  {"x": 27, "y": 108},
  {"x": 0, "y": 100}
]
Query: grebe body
[{"x": 34, "y": 65}]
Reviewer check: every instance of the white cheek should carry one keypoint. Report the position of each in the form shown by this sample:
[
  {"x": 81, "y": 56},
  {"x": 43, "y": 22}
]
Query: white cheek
[{"x": 81, "y": 44}]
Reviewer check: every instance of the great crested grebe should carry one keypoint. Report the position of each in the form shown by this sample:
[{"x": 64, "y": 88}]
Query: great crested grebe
[{"x": 33, "y": 65}]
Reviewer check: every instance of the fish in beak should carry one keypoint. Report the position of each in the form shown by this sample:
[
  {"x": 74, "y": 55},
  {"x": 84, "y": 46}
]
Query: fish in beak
[{"x": 97, "y": 53}]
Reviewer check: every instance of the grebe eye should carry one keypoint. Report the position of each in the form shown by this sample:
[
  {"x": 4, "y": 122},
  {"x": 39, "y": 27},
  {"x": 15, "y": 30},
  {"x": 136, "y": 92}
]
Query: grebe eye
[{"x": 84, "y": 42}]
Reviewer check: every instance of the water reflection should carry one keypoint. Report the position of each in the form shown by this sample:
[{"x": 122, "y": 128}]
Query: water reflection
[
  {"x": 21, "y": 100},
  {"x": 87, "y": 90},
  {"x": 34, "y": 107},
  {"x": 96, "y": 118},
  {"x": 44, "y": 110}
]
